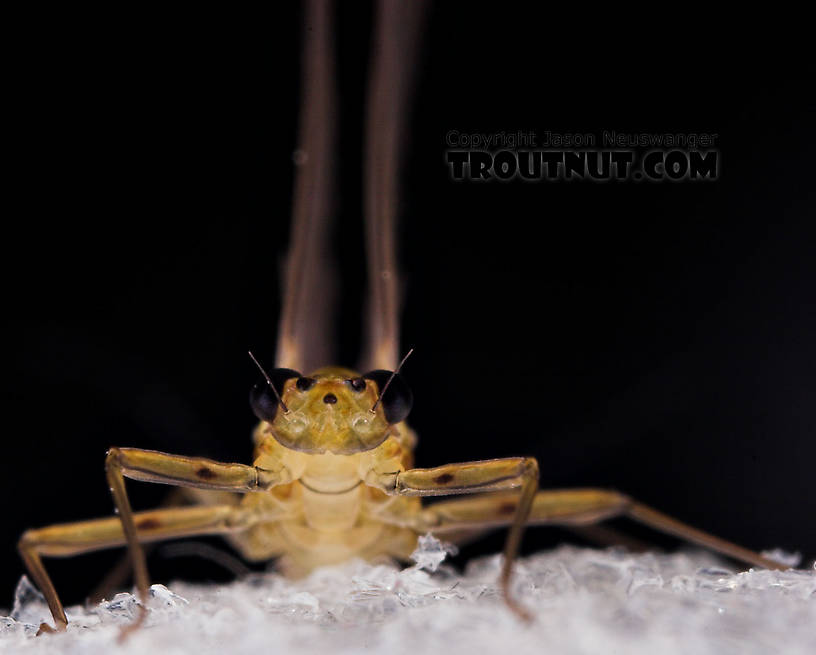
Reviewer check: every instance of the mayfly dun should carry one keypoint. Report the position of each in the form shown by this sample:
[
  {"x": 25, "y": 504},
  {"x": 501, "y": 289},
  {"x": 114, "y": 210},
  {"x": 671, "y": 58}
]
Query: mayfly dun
[{"x": 333, "y": 475}]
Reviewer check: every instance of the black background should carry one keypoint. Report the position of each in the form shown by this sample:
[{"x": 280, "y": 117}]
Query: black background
[{"x": 655, "y": 338}]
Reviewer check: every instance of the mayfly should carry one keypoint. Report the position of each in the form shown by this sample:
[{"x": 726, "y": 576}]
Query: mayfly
[{"x": 332, "y": 476}]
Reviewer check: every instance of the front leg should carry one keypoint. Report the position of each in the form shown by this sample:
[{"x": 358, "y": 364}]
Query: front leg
[
  {"x": 474, "y": 477},
  {"x": 152, "y": 466}
]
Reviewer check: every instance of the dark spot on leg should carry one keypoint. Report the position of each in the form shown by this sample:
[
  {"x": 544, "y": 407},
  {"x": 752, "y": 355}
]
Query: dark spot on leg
[
  {"x": 444, "y": 478},
  {"x": 205, "y": 474},
  {"x": 506, "y": 508},
  {"x": 148, "y": 524}
]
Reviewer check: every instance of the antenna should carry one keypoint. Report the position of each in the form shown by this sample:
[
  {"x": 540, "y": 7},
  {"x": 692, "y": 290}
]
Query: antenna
[
  {"x": 393, "y": 375},
  {"x": 274, "y": 390}
]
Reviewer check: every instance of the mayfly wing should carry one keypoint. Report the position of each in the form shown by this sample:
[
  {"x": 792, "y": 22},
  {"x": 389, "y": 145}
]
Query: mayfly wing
[
  {"x": 395, "y": 42},
  {"x": 305, "y": 328}
]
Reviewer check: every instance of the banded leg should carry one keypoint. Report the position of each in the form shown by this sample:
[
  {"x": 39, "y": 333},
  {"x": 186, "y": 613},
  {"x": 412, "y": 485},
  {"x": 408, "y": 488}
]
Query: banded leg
[
  {"x": 69, "y": 539},
  {"x": 475, "y": 477},
  {"x": 152, "y": 466},
  {"x": 574, "y": 507},
  {"x": 117, "y": 576}
]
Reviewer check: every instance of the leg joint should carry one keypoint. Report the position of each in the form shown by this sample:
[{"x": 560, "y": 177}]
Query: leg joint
[
  {"x": 264, "y": 479},
  {"x": 113, "y": 458},
  {"x": 529, "y": 468},
  {"x": 27, "y": 541}
]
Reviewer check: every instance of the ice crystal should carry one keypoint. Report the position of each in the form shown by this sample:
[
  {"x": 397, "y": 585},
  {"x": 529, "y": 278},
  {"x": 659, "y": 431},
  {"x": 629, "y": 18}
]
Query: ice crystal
[{"x": 584, "y": 601}]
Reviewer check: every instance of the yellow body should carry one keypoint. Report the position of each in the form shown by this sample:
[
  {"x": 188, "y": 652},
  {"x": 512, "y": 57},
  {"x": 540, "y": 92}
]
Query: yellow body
[{"x": 327, "y": 512}]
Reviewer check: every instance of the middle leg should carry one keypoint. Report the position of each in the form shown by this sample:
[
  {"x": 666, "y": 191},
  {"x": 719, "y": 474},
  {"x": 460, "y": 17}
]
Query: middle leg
[
  {"x": 575, "y": 507},
  {"x": 65, "y": 540}
]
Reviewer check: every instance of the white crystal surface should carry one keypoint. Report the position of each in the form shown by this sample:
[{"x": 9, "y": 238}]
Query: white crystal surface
[{"x": 584, "y": 600}]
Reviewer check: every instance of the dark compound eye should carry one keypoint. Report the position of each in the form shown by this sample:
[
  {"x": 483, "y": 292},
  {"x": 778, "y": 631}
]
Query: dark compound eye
[
  {"x": 262, "y": 399},
  {"x": 358, "y": 384},
  {"x": 398, "y": 399},
  {"x": 304, "y": 384}
]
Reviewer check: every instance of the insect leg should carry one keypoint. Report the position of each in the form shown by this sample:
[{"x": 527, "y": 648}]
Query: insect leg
[
  {"x": 473, "y": 477},
  {"x": 665, "y": 523},
  {"x": 177, "y": 497},
  {"x": 574, "y": 507},
  {"x": 568, "y": 507},
  {"x": 152, "y": 466},
  {"x": 69, "y": 539}
]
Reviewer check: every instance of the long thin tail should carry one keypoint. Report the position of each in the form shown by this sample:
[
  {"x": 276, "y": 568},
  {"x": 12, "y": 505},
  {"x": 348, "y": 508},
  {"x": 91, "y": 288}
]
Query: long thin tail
[
  {"x": 304, "y": 332},
  {"x": 393, "y": 62}
]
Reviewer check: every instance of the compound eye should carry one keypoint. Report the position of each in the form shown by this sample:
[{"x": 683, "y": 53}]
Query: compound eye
[
  {"x": 397, "y": 400},
  {"x": 304, "y": 384},
  {"x": 357, "y": 384},
  {"x": 263, "y": 400}
]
